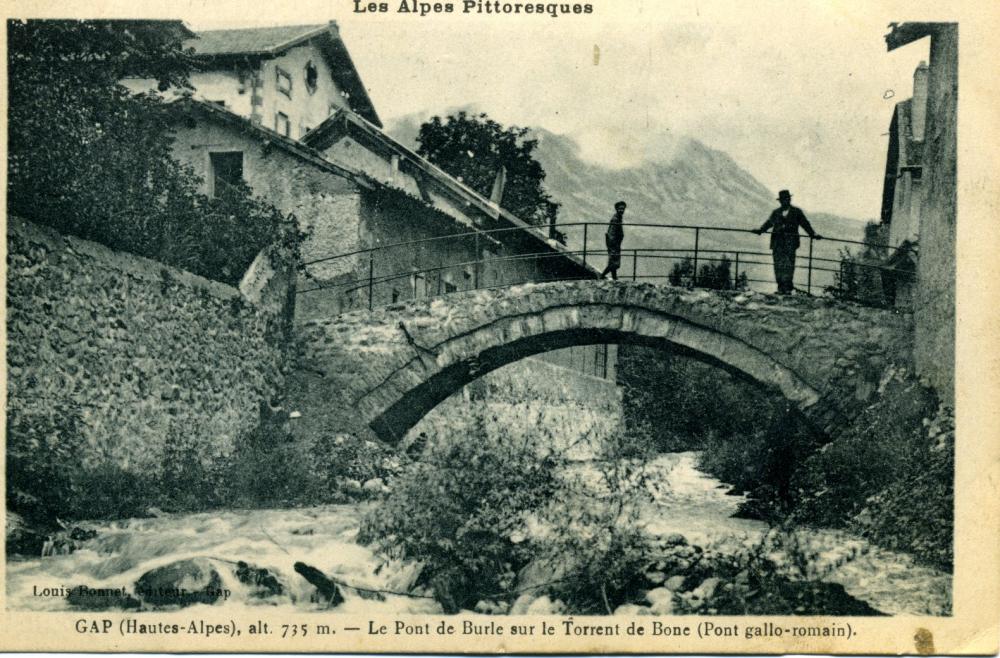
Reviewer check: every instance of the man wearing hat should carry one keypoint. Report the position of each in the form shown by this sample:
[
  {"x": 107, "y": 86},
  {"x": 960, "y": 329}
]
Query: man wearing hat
[
  {"x": 784, "y": 223},
  {"x": 613, "y": 239}
]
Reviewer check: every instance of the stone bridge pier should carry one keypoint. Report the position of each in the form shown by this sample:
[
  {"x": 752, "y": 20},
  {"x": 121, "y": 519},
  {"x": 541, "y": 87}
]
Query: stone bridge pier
[{"x": 377, "y": 373}]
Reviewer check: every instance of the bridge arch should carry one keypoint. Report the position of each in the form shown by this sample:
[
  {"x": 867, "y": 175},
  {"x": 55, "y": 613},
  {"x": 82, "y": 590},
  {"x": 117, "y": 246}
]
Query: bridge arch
[{"x": 380, "y": 372}]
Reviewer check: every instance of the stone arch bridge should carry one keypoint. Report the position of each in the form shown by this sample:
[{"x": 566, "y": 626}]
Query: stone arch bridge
[{"x": 377, "y": 373}]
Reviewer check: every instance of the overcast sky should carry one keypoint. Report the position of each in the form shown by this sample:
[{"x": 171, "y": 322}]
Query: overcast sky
[{"x": 800, "y": 98}]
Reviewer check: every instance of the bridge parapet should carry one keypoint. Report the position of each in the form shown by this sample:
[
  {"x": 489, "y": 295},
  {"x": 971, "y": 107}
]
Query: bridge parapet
[{"x": 381, "y": 371}]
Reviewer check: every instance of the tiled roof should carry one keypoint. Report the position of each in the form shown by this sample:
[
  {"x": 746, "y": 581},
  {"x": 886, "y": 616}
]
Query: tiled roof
[{"x": 262, "y": 40}]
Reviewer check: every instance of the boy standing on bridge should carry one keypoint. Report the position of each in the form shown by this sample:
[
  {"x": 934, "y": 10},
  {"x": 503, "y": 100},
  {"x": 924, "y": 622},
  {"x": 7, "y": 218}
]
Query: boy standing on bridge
[
  {"x": 784, "y": 223},
  {"x": 613, "y": 239}
]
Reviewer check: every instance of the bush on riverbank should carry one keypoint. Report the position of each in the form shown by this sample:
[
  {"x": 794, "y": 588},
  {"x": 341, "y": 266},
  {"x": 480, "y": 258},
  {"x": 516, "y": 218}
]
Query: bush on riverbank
[
  {"x": 888, "y": 475},
  {"x": 462, "y": 512},
  {"x": 915, "y": 513},
  {"x": 761, "y": 464}
]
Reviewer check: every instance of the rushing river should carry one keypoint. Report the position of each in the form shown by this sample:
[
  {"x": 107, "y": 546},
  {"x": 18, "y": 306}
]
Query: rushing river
[{"x": 685, "y": 501}]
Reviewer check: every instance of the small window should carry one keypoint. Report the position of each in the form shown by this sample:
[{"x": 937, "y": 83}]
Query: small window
[
  {"x": 284, "y": 81},
  {"x": 449, "y": 287},
  {"x": 282, "y": 125},
  {"x": 395, "y": 295},
  {"x": 312, "y": 77},
  {"x": 227, "y": 171}
]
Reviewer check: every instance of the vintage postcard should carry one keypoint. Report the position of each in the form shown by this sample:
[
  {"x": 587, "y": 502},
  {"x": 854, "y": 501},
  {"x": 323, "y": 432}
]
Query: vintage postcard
[{"x": 596, "y": 326}]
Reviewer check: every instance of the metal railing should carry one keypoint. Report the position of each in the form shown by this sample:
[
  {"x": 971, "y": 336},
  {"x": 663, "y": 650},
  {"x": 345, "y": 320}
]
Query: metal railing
[{"x": 379, "y": 269}]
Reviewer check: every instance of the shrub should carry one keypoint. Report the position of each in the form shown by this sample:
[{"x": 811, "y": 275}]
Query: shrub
[
  {"x": 602, "y": 567},
  {"x": 461, "y": 512},
  {"x": 885, "y": 443},
  {"x": 916, "y": 512},
  {"x": 48, "y": 478},
  {"x": 762, "y": 463},
  {"x": 107, "y": 491},
  {"x": 269, "y": 468}
]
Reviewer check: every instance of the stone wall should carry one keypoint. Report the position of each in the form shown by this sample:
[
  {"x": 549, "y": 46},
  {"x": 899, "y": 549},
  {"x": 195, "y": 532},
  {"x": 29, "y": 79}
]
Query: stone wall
[
  {"x": 140, "y": 354},
  {"x": 934, "y": 307}
]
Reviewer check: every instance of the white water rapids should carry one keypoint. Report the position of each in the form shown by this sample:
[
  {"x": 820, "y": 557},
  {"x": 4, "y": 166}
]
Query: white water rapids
[{"x": 686, "y": 501}]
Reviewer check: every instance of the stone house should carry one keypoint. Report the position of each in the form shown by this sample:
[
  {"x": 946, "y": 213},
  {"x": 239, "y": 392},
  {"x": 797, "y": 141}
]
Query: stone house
[
  {"x": 285, "y": 111},
  {"x": 919, "y": 199},
  {"x": 287, "y": 78}
]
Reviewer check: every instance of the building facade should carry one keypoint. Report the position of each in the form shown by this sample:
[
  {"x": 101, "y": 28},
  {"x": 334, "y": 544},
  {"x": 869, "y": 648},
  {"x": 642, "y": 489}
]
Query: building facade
[
  {"x": 284, "y": 111},
  {"x": 919, "y": 200}
]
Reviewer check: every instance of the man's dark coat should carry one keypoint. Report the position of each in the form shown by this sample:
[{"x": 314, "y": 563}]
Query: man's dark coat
[{"x": 785, "y": 230}]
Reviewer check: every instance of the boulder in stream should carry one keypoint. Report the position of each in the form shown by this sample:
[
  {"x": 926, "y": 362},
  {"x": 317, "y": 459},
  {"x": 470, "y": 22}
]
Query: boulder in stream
[
  {"x": 327, "y": 589},
  {"x": 261, "y": 581},
  {"x": 181, "y": 583}
]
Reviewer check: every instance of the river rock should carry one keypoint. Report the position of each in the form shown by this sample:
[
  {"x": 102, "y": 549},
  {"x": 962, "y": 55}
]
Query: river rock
[
  {"x": 181, "y": 583},
  {"x": 675, "y": 583},
  {"x": 655, "y": 577},
  {"x": 675, "y": 539},
  {"x": 707, "y": 588},
  {"x": 546, "y": 606},
  {"x": 631, "y": 610},
  {"x": 374, "y": 486},
  {"x": 492, "y": 607},
  {"x": 326, "y": 588},
  {"x": 261, "y": 581},
  {"x": 662, "y": 600},
  {"x": 521, "y": 603}
]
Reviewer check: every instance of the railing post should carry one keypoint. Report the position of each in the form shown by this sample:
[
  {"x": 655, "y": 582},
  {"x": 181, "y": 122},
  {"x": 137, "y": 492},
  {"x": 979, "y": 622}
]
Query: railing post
[
  {"x": 736, "y": 273},
  {"x": 694, "y": 275},
  {"x": 809, "y": 276},
  {"x": 475, "y": 264},
  {"x": 635, "y": 260},
  {"x": 371, "y": 279},
  {"x": 585, "y": 244}
]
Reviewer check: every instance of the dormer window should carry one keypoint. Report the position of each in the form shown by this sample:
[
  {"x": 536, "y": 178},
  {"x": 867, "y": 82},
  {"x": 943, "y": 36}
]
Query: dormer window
[
  {"x": 284, "y": 80},
  {"x": 312, "y": 77}
]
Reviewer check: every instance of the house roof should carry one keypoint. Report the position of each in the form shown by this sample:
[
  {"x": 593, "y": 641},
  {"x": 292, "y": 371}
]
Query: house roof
[
  {"x": 269, "y": 42},
  {"x": 307, "y": 152},
  {"x": 346, "y": 123},
  {"x": 295, "y": 148},
  {"x": 252, "y": 41},
  {"x": 287, "y": 144}
]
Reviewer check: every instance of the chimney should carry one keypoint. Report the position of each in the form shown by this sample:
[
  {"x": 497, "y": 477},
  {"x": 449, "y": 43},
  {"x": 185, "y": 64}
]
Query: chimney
[
  {"x": 498, "y": 184},
  {"x": 918, "y": 109}
]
